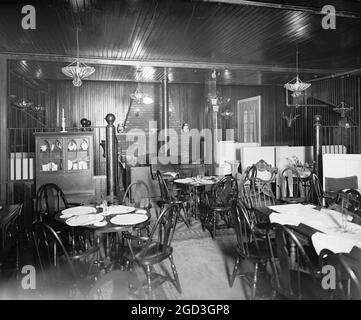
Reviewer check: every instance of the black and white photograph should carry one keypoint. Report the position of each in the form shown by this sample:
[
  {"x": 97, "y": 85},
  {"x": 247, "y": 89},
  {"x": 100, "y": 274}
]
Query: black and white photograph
[{"x": 179, "y": 156}]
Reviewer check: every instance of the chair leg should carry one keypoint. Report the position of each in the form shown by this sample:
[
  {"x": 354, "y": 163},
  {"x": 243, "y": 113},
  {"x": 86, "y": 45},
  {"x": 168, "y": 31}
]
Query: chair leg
[
  {"x": 149, "y": 281},
  {"x": 175, "y": 274},
  {"x": 214, "y": 224},
  {"x": 235, "y": 270},
  {"x": 254, "y": 286}
]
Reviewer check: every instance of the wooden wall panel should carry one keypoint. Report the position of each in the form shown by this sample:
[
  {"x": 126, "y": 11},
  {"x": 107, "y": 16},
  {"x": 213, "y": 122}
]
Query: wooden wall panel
[
  {"x": 273, "y": 128},
  {"x": 25, "y": 118},
  {"x": 187, "y": 99},
  {"x": 3, "y": 131},
  {"x": 94, "y": 99},
  {"x": 334, "y": 91}
]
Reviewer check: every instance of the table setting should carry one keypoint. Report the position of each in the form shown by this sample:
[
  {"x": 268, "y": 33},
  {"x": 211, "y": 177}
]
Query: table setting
[
  {"x": 199, "y": 180},
  {"x": 333, "y": 230},
  {"x": 100, "y": 216}
]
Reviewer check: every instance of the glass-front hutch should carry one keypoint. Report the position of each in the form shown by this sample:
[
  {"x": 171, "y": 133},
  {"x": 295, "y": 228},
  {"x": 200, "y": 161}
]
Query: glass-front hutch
[{"x": 67, "y": 160}]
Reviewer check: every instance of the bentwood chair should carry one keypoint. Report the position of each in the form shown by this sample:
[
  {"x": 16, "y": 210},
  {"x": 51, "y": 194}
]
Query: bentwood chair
[
  {"x": 59, "y": 271},
  {"x": 138, "y": 195},
  {"x": 168, "y": 199},
  {"x": 249, "y": 247},
  {"x": 50, "y": 199},
  {"x": 256, "y": 190},
  {"x": 346, "y": 272},
  {"x": 348, "y": 202},
  {"x": 294, "y": 275},
  {"x": 221, "y": 201},
  {"x": 157, "y": 248},
  {"x": 294, "y": 188}
]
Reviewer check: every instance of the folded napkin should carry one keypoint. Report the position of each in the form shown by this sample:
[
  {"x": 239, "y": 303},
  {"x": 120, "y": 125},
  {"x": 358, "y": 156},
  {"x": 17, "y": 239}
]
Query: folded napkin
[
  {"x": 336, "y": 244},
  {"x": 284, "y": 219}
]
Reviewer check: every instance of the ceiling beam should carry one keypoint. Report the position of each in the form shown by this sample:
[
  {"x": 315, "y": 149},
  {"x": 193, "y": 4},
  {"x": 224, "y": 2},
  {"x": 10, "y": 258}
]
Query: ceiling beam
[
  {"x": 166, "y": 63},
  {"x": 282, "y": 6},
  {"x": 337, "y": 75}
]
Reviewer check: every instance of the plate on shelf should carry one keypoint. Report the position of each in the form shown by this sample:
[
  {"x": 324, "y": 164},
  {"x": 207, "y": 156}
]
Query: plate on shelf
[
  {"x": 78, "y": 211},
  {"x": 58, "y": 145},
  {"x": 129, "y": 219},
  {"x": 84, "y": 145},
  {"x": 45, "y": 146},
  {"x": 72, "y": 145}
]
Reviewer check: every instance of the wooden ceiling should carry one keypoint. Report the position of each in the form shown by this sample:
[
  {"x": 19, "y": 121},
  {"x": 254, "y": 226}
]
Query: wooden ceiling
[{"x": 247, "y": 43}]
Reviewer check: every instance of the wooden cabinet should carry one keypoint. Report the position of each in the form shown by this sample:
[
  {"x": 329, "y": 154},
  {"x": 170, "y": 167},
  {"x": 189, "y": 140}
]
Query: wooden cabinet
[{"x": 66, "y": 159}]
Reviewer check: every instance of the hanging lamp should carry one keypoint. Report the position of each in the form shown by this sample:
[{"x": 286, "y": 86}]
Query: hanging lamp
[
  {"x": 296, "y": 85},
  {"x": 77, "y": 69}
]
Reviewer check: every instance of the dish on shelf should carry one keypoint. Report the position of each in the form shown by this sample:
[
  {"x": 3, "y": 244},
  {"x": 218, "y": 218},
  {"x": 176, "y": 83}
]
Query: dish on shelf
[
  {"x": 51, "y": 166},
  {"x": 58, "y": 145},
  {"x": 45, "y": 146},
  {"x": 84, "y": 145},
  {"x": 82, "y": 165},
  {"x": 72, "y": 145}
]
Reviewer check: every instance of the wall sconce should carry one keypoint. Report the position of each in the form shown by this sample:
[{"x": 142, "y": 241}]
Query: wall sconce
[
  {"x": 137, "y": 112},
  {"x": 227, "y": 114},
  {"x": 120, "y": 128}
]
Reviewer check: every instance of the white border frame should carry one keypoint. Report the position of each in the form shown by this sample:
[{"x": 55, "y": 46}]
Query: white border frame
[{"x": 257, "y": 98}]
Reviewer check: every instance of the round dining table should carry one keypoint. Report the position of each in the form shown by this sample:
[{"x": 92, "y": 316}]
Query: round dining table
[{"x": 99, "y": 231}]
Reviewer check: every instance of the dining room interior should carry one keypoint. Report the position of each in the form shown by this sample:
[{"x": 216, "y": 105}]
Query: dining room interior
[{"x": 180, "y": 150}]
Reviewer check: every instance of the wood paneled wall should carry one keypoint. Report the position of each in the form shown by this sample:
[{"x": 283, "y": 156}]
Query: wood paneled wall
[
  {"x": 334, "y": 91},
  {"x": 273, "y": 128},
  {"x": 94, "y": 99},
  {"x": 25, "y": 118}
]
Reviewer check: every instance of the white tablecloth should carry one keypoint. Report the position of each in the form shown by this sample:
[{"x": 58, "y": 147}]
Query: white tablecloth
[{"x": 327, "y": 221}]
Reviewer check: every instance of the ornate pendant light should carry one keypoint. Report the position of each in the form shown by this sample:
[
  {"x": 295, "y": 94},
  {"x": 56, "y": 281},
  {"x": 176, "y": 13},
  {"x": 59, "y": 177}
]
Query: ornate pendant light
[
  {"x": 296, "y": 85},
  {"x": 343, "y": 108},
  {"x": 77, "y": 69},
  {"x": 138, "y": 96}
]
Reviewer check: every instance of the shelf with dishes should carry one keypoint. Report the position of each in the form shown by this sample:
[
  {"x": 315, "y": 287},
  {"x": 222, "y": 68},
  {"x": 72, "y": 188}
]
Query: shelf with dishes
[
  {"x": 51, "y": 146},
  {"x": 77, "y": 165},
  {"x": 51, "y": 166},
  {"x": 78, "y": 145}
]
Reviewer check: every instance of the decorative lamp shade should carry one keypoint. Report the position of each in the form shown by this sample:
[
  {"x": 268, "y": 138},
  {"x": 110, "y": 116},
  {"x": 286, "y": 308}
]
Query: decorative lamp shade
[
  {"x": 78, "y": 71},
  {"x": 297, "y": 87},
  {"x": 22, "y": 103}
]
